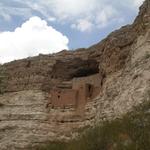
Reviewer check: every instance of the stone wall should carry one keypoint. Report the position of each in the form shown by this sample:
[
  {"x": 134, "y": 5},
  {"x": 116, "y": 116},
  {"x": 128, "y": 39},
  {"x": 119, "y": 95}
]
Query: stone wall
[
  {"x": 63, "y": 98},
  {"x": 76, "y": 97},
  {"x": 95, "y": 80}
]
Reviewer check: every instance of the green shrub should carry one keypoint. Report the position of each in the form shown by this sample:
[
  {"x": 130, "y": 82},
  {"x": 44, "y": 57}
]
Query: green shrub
[
  {"x": 53, "y": 146},
  {"x": 147, "y": 55}
]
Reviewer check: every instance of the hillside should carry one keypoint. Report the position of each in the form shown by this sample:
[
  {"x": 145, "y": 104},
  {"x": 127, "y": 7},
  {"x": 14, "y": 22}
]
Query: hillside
[{"x": 50, "y": 97}]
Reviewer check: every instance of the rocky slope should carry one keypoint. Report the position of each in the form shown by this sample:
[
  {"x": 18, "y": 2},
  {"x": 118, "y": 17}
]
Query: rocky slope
[{"x": 123, "y": 63}]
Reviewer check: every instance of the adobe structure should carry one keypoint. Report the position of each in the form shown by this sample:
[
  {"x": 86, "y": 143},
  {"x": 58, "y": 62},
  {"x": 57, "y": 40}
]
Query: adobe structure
[{"x": 81, "y": 91}]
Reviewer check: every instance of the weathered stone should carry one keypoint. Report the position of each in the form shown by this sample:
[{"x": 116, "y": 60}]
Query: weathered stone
[{"x": 119, "y": 65}]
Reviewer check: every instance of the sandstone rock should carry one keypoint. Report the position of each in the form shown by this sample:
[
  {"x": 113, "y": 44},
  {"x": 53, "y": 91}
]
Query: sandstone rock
[{"x": 122, "y": 62}]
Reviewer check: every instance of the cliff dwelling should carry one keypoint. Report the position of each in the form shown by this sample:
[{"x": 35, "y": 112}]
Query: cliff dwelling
[
  {"x": 83, "y": 89},
  {"x": 56, "y": 98}
]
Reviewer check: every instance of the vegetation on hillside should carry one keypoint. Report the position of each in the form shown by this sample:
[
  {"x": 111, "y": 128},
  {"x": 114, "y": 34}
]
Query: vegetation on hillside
[{"x": 132, "y": 132}]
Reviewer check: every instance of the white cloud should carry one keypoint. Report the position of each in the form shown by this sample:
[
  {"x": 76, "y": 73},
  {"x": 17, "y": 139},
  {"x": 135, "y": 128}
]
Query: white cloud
[
  {"x": 137, "y": 2},
  {"x": 83, "y": 25},
  {"x": 32, "y": 38},
  {"x": 104, "y": 17},
  {"x": 3, "y": 14},
  {"x": 71, "y": 8},
  {"x": 100, "y": 13},
  {"x": 6, "y": 17},
  {"x": 97, "y": 13}
]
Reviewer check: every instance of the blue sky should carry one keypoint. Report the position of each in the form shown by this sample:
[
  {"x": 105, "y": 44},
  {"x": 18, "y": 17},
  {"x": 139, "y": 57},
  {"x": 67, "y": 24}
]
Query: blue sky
[{"x": 30, "y": 27}]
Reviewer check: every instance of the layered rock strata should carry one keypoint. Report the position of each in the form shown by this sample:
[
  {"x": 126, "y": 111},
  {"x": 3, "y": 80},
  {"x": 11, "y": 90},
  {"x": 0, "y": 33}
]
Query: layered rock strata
[{"x": 122, "y": 64}]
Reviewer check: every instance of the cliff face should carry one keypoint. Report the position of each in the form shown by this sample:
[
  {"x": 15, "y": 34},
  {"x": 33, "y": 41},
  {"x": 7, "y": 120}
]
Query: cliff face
[{"x": 118, "y": 66}]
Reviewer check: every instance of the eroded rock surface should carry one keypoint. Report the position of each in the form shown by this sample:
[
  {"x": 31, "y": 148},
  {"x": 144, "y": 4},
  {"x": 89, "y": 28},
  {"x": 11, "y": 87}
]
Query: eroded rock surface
[{"x": 121, "y": 63}]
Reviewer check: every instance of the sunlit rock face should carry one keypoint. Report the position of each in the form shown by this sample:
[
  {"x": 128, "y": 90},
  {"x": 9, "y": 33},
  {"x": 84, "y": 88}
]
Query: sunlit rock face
[{"x": 50, "y": 97}]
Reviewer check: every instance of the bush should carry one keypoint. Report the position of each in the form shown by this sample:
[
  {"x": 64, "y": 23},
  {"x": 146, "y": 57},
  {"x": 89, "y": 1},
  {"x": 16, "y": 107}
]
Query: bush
[{"x": 147, "y": 55}]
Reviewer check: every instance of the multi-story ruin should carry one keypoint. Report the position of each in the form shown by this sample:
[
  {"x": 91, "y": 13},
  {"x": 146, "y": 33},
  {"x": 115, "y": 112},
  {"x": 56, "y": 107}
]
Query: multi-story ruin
[{"x": 80, "y": 91}]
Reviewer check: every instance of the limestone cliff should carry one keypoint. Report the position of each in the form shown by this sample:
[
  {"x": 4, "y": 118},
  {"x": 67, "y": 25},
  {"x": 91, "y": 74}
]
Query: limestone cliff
[{"x": 118, "y": 66}]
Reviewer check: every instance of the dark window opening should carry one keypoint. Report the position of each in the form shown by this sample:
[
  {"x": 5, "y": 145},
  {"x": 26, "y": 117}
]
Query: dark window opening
[
  {"x": 90, "y": 87},
  {"x": 90, "y": 90}
]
